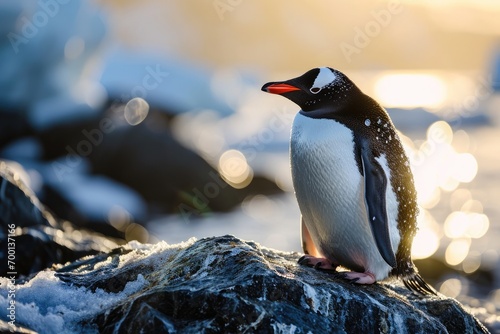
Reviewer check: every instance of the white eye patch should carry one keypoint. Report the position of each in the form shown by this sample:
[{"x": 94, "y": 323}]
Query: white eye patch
[{"x": 324, "y": 78}]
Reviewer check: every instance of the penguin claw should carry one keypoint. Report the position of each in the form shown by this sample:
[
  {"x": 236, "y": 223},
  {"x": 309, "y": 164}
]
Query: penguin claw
[
  {"x": 354, "y": 280},
  {"x": 359, "y": 278},
  {"x": 304, "y": 260},
  {"x": 317, "y": 263},
  {"x": 341, "y": 275}
]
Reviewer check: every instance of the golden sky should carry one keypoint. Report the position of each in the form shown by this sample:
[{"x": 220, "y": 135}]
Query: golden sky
[{"x": 288, "y": 35}]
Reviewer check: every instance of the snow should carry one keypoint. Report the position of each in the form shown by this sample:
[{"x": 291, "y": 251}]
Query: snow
[
  {"x": 48, "y": 305},
  {"x": 284, "y": 328},
  {"x": 310, "y": 293}
]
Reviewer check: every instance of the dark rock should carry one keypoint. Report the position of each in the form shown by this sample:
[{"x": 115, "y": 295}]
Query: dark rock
[
  {"x": 169, "y": 176},
  {"x": 13, "y": 125},
  {"x": 39, "y": 240},
  {"x": 226, "y": 285},
  {"x": 147, "y": 159}
]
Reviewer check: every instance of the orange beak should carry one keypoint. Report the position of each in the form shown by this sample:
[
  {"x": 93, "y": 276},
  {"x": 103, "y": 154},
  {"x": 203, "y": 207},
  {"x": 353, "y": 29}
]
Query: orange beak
[{"x": 279, "y": 88}]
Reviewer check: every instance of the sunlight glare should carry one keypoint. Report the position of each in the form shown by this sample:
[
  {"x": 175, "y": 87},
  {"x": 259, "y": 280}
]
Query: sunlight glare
[
  {"x": 440, "y": 132},
  {"x": 455, "y": 225},
  {"x": 463, "y": 167},
  {"x": 410, "y": 90},
  {"x": 426, "y": 241}
]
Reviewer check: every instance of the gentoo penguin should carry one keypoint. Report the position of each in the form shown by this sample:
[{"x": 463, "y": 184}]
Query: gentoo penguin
[{"x": 352, "y": 180}]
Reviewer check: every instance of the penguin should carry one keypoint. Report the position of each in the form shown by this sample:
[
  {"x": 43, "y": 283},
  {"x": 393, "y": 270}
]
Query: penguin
[{"x": 352, "y": 180}]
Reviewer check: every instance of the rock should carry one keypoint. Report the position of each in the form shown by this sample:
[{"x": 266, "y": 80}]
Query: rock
[
  {"x": 147, "y": 160},
  {"x": 169, "y": 176},
  {"x": 223, "y": 285},
  {"x": 40, "y": 239}
]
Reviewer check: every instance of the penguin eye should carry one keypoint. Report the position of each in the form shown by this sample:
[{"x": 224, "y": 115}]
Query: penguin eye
[{"x": 315, "y": 90}]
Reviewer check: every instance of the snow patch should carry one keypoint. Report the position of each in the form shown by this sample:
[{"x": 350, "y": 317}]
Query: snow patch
[
  {"x": 311, "y": 294},
  {"x": 284, "y": 328},
  {"x": 48, "y": 305}
]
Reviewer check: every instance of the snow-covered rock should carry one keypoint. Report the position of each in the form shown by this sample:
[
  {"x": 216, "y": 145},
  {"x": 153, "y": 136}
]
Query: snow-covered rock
[{"x": 221, "y": 285}]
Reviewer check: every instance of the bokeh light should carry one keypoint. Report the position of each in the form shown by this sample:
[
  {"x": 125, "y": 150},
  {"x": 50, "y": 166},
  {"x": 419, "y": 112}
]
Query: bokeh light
[
  {"x": 136, "y": 232},
  {"x": 437, "y": 166},
  {"x": 233, "y": 167},
  {"x": 119, "y": 218},
  {"x": 460, "y": 224},
  {"x": 472, "y": 262},
  {"x": 136, "y": 111},
  {"x": 457, "y": 251},
  {"x": 451, "y": 287}
]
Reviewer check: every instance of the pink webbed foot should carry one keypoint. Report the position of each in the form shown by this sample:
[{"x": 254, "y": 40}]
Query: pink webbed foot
[
  {"x": 359, "y": 278},
  {"x": 317, "y": 262}
]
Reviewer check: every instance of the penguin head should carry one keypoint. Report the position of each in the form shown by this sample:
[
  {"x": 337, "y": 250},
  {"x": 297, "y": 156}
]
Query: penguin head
[{"x": 314, "y": 89}]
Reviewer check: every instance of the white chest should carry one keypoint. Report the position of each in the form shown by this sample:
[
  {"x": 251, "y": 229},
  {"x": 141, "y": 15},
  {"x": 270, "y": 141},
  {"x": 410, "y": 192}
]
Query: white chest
[
  {"x": 325, "y": 175},
  {"x": 330, "y": 192}
]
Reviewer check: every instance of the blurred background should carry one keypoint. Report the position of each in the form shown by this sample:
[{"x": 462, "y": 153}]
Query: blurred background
[{"x": 145, "y": 121}]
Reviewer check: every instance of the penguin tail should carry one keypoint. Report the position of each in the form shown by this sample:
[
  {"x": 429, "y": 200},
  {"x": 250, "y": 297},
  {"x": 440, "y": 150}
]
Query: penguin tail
[{"x": 415, "y": 282}]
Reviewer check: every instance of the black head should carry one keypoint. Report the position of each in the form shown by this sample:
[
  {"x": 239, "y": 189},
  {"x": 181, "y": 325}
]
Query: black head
[{"x": 314, "y": 89}]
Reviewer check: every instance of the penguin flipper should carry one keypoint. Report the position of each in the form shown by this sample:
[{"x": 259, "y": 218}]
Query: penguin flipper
[{"x": 375, "y": 192}]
